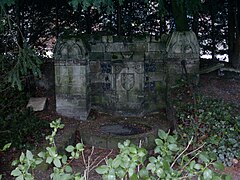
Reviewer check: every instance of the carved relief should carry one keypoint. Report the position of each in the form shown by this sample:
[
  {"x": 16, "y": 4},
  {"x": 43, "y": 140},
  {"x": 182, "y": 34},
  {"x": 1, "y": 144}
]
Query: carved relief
[
  {"x": 70, "y": 50},
  {"x": 183, "y": 44}
]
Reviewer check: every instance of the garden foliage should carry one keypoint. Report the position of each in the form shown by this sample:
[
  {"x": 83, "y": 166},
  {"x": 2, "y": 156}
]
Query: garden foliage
[{"x": 169, "y": 161}]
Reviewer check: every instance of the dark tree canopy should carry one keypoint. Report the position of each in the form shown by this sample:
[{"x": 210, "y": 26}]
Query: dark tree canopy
[{"x": 34, "y": 24}]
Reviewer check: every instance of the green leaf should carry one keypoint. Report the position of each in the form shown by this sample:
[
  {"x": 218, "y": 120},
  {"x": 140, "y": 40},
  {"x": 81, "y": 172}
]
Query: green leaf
[
  {"x": 173, "y": 147},
  {"x": 162, "y": 134},
  {"x": 22, "y": 157},
  {"x": 152, "y": 159},
  {"x": 133, "y": 150},
  {"x": 49, "y": 160},
  {"x": 204, "y": 157},
  {"x": 143, "y": 173},
  {"x": 29, "y": 155},
  {"x": 198, "y": 166},
  {"x": 207, "y": 174},
  {"x": 16, "y": 172},
  {"x": 120, "y": 173},
  {"x": 68, "y": 169},
  {"x": 6, "y": 146},
  {"x": 64, "y": 159},
  {"x": 218, "y": 165},
  {"x": 70, "y": 148},
  {"x": 20, "y": 177},
  {"x": 126, "y": 143},
  {"x": 158, "y": 142},
  {"x": 116, "y": 162},
  {"x": 41, "y": 154},
  {"x": 79, "y": 147},
  {"x": 102, "y": 169},
  {"x": 38, "y": 161},
  {"x": 57, "y": 162}
]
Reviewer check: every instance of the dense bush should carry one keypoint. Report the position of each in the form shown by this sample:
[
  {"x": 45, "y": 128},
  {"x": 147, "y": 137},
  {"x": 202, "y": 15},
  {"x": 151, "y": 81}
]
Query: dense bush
[{"x": 18, "y": 125}]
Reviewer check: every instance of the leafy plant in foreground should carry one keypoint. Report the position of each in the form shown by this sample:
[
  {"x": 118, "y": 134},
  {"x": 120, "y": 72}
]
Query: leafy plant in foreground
[
  {"x": 170, "y": 161},
  {"x": 61, "y": 164}
]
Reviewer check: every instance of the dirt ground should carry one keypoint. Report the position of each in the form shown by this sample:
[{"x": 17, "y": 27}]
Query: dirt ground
[{"x": 226, "y": 88}]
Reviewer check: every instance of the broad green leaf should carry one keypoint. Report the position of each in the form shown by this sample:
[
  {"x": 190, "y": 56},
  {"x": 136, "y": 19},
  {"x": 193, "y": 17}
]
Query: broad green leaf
[
  {"x": 152, "y": 159},
  {"x": 120, "y": 173},
  {"x": 70, "y": 148},
  {"x": 20, "y": 177},
  {"x": 173, "y": 147},
  {"x": 204, "y": 157},
  {"x": 68, "y": 169},
  {"x": 38, "y": 161},
  {"x": 41, "y": 154},
  {"x": 49, "y": 160},
  {"x": 79, "y": 147},
  {"x": 116, "y": 162},
  {"x": 16, "y": 172},
  {"x": 158, "y": 142},
  {"x": 22, "y": 157},
  {"x": 197, "y": 166},
  {"x": 64, "y": 159},
  {"x": 192, "y": 164},
  {"x": 143, "y": 173},
  {"x": 150, "y": 166},
  {"x": 126, "y": 143},
  {"x": 207, "y": 174},
  {"x": 162, "y": 134},
  {"x": 133, "y": 150},
  {"x": 29, "y": 155},
  {"x": 102, "y": 169},
  {"x": 57, "y": 162},
  {"x": 218, "y": 165},
  {"x": 160, "y": 173},
  {"x": 120, "y": 145}
]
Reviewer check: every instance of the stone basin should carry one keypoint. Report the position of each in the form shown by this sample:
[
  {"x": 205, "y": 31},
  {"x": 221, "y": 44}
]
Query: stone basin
[{"x": 107, "y": 131}]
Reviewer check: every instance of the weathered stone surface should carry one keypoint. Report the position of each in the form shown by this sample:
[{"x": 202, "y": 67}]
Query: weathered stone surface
[
  {"x": 120, "y": 75},
  {"x": 37, "y": 104},
  {"x": 71, "y": 79}
]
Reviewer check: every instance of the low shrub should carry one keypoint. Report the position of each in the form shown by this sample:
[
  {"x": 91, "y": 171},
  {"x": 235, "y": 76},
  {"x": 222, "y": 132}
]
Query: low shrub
[{"x": 169, "y": 161}]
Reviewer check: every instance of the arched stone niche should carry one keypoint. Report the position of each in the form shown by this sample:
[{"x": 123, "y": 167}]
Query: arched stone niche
[{"x": 71, "y": 79}]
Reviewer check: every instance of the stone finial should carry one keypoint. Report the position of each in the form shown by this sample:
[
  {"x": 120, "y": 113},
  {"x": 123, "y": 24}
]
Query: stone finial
[{"x": 183, "y": 44}]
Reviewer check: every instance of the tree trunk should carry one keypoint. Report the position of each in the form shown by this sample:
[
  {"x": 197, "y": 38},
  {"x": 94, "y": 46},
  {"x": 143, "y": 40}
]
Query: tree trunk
[
  {"x": 180, "y": 16},
  {"x": 18, "y": 21},
  {"x": 119, "y": 20},
  {"x": 213, "y": 47},
  {"x": 234, "y": 33}
]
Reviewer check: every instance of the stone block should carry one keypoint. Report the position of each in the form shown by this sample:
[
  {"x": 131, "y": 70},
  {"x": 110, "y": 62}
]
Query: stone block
[{"x": 37, "y": 104}]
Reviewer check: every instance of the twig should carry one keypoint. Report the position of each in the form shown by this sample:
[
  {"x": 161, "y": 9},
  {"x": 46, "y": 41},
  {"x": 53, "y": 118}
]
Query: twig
[
  {"x": 93, "y": 167},
  {"x": 189, "y": 143}
]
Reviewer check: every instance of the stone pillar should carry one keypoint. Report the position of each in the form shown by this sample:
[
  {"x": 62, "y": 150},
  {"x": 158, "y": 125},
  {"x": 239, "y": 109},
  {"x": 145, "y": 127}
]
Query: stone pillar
[
  {"x": 71, "y": 79},
  {"x": 183, "y": 50}
]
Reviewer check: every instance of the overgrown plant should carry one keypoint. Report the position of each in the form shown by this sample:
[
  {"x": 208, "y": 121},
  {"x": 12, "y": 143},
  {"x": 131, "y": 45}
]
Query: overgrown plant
[
  {"x": 170, "y": 161},
  {"x": 213, "y": 122},
  {"x": 61, "y": 163}
]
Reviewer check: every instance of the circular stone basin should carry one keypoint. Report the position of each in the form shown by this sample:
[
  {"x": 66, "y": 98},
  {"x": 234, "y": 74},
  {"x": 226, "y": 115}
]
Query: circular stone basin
[
  {"x": 107, "y": 131},
  {"x": 124, "y": 129}
]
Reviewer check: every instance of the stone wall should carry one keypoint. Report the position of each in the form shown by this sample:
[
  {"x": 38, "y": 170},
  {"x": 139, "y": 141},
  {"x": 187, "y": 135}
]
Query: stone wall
[{"x": 118, "y": 75}]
